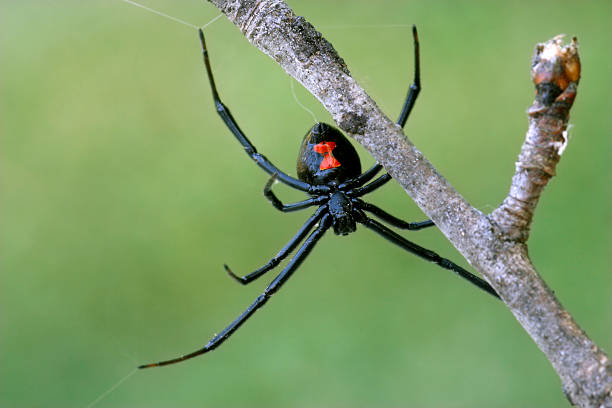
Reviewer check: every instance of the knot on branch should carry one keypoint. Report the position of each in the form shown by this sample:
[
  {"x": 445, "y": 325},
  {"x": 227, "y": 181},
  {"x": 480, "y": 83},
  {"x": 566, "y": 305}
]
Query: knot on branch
[
  {"x": 353, "y": 123},
  {"x": 555, "y": 71}
]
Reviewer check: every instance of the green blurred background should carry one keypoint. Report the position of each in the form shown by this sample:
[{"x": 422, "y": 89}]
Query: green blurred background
[{"x": 123, "y": 195}]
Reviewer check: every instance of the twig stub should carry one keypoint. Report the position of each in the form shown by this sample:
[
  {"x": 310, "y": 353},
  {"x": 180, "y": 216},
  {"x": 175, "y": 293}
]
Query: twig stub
[{"x": 555, "y": 71}]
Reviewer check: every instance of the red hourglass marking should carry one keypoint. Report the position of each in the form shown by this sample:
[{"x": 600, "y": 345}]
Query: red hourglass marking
[{"x": 329, "y": 161}]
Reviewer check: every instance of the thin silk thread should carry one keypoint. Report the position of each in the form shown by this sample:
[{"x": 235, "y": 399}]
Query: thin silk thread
[
  {"x": 300, "y": 103},
  {"x": 178, "y": 20}
]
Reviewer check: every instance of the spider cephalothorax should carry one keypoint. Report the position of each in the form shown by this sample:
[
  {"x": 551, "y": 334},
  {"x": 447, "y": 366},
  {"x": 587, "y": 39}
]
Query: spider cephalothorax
[{"x": 329, "y": 171}]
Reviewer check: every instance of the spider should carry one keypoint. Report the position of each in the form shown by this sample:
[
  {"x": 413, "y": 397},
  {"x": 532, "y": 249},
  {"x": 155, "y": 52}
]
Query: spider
[{"x": 329, "y": 170}]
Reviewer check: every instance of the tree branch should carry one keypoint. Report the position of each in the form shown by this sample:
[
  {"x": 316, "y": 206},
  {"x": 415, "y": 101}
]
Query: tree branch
[
  {"x": 495, "y": 244},
  {"x": 555, "y": 72}
]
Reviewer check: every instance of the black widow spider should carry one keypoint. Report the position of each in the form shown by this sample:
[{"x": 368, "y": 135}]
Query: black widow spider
[{"x": 329, "y": 170}]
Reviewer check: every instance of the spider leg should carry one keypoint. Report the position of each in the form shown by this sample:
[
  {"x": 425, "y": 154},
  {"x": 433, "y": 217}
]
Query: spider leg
[
  {"x": 385, "y": 216},
  {"x": 422, "y": 252},
  {"x": 300, "y": 205},
  {"x": 413, "y": 92},
  {"x": 276, "y": 284},
  {"x": 363, "y": 177},
  {"x": 230, "y": 122},
  {"x": 415, "y": 87},
  {"x": 368, "y": 188},
  {"x": 282, "y": 254}
]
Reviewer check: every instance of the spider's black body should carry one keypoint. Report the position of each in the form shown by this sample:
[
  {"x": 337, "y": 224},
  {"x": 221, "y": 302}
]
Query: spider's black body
[
  {"x": 343, "y": 157},
  {"x": 327, "y": 158},
  {"x": 329, "y": 171}
]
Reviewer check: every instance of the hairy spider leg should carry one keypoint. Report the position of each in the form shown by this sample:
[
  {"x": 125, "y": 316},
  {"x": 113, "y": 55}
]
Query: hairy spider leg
[
  {"x": 300, "y": 205},
  {"x": 230, "y": 122},
  {"x": 276, "y": 284},
  {"x": 424, "y": 253},
  {"x": 414, "y": 90},
  {"x": 282, "y": 254},
  {"x": 390, "y": 219}
]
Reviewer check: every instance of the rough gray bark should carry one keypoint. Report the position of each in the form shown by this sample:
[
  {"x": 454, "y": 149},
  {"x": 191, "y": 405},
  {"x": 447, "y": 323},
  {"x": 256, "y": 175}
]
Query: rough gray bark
[{"x": 495, "y": 244}]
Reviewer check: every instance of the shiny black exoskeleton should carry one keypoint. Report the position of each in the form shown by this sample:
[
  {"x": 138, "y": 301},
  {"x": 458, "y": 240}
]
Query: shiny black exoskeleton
[
  {"x": 310, "y": 159},
  {"x": 329, "y": 171},
  {"x": 328, "y": 158}
]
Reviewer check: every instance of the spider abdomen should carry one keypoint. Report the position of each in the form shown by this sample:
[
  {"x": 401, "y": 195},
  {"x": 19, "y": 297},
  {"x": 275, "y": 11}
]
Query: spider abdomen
[{"x": 326, "y": 156}]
